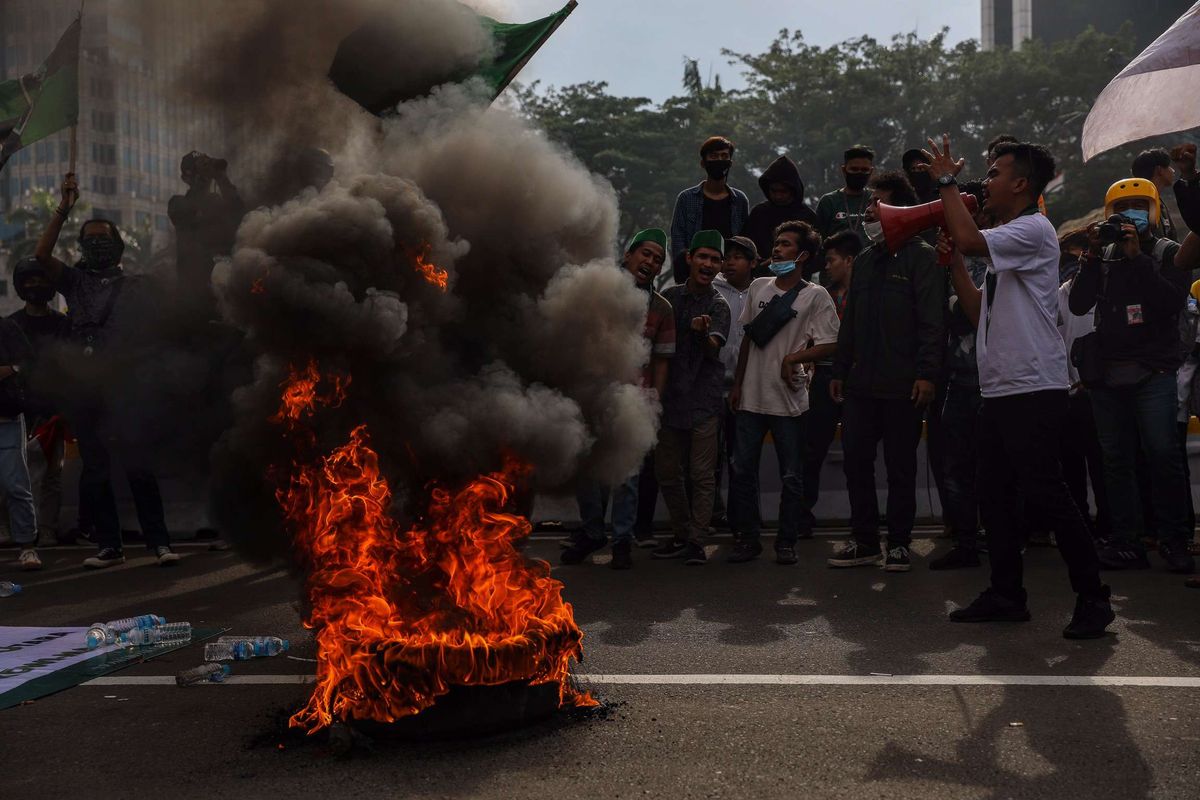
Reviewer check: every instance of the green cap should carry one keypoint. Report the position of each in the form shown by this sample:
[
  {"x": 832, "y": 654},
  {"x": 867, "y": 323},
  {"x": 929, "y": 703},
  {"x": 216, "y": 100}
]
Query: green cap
[
  {"x": 710, "y": 239},
  {"x": 656, "y": 235}
]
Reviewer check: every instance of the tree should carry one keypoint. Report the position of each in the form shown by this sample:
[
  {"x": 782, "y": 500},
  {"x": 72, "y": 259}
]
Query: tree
[
  {"x": 35, "y": 218},
  {"x": 812, "y": 102}
]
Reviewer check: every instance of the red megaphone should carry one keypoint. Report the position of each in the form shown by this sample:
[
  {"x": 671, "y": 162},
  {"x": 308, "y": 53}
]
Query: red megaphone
[{"x": 901, "y": 223}]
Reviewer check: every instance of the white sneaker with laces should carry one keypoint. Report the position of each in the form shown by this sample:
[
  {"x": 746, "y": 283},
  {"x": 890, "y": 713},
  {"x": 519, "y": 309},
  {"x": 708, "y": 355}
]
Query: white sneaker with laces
[
  {"x": 166, "y": 558},
  {"x": 29, "y": 560}
]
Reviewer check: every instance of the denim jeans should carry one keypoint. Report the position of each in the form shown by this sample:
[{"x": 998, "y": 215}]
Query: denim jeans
[
  {"x": 14, "y": 481},
  {"x": 1145, "y": 412},
  {"x": 865, "y": 422},
  {"x": 960, "y": 460},
  {"x": 1018, "y": 458},
  {"x": 745, "y": 515},
  {"x": 593, "y": 503}
]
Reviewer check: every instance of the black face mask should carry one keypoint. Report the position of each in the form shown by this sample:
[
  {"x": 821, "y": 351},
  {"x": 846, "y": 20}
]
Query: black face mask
[
  {"x": 857, "y": 181},
  {"x": 717, "y": 169},
  {"x": 99, "y": 252},
  {"x": 921, "y": 181},
  {"x": 38, "y": 295}
]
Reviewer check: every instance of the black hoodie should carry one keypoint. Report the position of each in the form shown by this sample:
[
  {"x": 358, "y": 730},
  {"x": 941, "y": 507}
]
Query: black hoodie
[{"x": 765, "y": 217}]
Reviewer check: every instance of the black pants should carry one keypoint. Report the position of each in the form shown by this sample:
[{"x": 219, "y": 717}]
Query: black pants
[
  {"x": 96, "y": 491},
  {"x": 1082, "y": 463},
  {"x": 960, "y": 459},
  {"x": 1018, "y": 458},
  {"x": 823, "y": 417},
  {"x": 865, "y": 422}
]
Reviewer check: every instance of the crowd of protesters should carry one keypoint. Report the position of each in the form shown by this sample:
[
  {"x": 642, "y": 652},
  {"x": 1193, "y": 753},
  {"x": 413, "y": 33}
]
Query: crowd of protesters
[
  {"x": 102, "y": 318},
  {"x": 1036, "y": 365}
]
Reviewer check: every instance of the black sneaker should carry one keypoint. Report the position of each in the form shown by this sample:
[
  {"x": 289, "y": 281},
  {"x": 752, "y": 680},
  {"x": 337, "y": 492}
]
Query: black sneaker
[
  {"x": 897, "y": 560},
  {"x": 744, "y": 551},
  {"x": 1122, "y": 555},
  {"x": 622, "y": 557},
  {"x": 1092, "y": 615},
  {"x": 107, "y": 557},
  {"x": 672, "y": 549},
  {"x": 991, "y": 607},
  {"x": 785, "y": 554},
  {"x": 853, "y": 554},
  {"x": 955, "y": 558},
  {"x": 645, "y": 540},
  {"x": 694, "y": 555},
  {"x": 1178, "y": 559},
  {"x": 580, "y": 548},
  {"x": 720, "y": 522}
]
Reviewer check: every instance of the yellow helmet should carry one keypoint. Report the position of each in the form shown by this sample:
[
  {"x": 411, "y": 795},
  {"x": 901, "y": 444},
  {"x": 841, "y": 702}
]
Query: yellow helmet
[{"x": 1135, "y": 188}]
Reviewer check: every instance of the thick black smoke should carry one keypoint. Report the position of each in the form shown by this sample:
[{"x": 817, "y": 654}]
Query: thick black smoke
[{"x": 534, "y": 350}]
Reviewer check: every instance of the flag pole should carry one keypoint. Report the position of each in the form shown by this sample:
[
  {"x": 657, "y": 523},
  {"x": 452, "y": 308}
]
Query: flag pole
[{"x": 73, "y": 147}]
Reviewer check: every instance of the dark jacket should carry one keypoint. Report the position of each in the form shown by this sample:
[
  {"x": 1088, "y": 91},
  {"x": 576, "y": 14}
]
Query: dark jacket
[
  {"x": 14, "y": 351},
  {"x": 688, "y": 216},
  {"x": 893, "y": 331},
  {"x": 766, "y": 217},
  {"x": 1137, "y": 306}
]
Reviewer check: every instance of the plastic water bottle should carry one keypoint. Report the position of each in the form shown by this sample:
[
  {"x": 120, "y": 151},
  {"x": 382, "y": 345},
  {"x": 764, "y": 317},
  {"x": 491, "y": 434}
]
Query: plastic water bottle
[
  {"x": 228, "y": 651},
  {"x": 8, "y": 588},
  {"x": 263, "y": 645},
  {"x": 171, "y": 633},
  {"x": 107, "y": 632},
  {"x": 205, "y": 673}
]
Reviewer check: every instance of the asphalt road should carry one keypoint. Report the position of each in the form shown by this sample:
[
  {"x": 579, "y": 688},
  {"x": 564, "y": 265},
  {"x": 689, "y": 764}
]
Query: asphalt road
[{"x": 828, "y": 718}]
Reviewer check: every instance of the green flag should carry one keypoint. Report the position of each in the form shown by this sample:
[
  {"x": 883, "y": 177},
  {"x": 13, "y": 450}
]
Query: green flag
[
  {"x": 44, "y": 102},
  {"x": 372, "y": 70}
]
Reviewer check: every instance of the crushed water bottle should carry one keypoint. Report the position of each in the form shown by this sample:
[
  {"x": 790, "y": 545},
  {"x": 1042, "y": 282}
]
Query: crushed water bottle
[
  {"x": 205, "y": 673},
  {"x": 263, "y": 645},
  {"x": 228, "y": 651},
  {"x": 8, "y": 588},
  {"x": 170, "y": 633},
  {"x": 108, "y": 632}
]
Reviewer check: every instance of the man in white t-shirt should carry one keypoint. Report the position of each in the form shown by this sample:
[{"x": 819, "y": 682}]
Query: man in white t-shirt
[
  {"x": 769, "y": 392},
  {"x": 1023, "y": 380}
]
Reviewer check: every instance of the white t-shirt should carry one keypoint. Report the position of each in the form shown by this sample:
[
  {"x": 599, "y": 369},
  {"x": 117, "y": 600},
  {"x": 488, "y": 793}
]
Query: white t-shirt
[
  {"x": 1072, "y": 327},
  {"x": 736, "y": 298},
  {"x": 763, "y": 390},
  {"x": 1018, "y": 344}
]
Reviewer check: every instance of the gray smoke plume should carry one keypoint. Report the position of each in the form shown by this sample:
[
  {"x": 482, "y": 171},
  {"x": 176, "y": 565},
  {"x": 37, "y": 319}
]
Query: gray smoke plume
[{"x": 533, "y": 352}]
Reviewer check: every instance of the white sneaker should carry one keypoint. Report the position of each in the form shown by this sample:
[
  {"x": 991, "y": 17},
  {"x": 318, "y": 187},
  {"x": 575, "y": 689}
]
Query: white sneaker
[
  {"x": 29, "y": 560},
  {"x": 165, "y": 557}
]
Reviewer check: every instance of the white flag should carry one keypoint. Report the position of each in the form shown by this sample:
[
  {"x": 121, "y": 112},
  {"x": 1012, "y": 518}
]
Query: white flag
[{"x": 1155, "y": 94}]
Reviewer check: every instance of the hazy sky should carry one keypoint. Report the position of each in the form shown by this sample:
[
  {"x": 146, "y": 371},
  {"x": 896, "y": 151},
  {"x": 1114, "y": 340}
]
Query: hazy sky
[{"x": 638, "y": 46}]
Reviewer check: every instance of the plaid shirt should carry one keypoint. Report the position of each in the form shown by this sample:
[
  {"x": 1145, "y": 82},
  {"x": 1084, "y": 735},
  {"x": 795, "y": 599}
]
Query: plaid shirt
[{"x": 689, "y": 216}]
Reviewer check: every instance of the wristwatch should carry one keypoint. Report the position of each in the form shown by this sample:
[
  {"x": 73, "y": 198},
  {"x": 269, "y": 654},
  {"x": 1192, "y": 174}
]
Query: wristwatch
[{"x": 947, "y": 180}]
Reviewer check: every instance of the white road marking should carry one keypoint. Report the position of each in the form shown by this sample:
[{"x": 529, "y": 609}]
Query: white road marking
[{"x": 750, "y": 680}]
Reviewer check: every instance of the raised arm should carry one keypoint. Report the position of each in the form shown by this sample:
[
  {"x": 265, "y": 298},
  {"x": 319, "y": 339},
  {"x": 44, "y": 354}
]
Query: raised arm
[
  {"x": 959, "y": 222},
  {"x": 44, "y": 252}
]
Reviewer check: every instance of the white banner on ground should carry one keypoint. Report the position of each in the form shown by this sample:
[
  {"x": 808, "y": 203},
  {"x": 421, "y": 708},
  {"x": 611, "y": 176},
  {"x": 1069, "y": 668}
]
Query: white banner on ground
[
  {"x": 27, "y": 654},
  {"x": 1154, "y": 95}
]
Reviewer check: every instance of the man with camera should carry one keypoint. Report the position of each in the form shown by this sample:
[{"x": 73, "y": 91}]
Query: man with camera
[
  {"x": 1023, "y": 379},
  {"x": 1138, "y": 284},
  {"x": 206, "y": 223}
]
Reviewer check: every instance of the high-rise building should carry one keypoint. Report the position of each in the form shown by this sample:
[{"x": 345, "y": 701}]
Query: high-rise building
[
  {"x": 133, "y": 126},
  {"x": 1009, "y": 23}
]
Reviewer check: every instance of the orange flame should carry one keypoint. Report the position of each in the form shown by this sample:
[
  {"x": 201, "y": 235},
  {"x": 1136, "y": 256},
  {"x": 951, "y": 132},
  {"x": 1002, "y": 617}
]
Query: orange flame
[
  {"x": 432, "y": 273},
  {"x": 402, "y": 616},
  {"x": 300, "y": 396},
  {"x": 258, "y": 287}
]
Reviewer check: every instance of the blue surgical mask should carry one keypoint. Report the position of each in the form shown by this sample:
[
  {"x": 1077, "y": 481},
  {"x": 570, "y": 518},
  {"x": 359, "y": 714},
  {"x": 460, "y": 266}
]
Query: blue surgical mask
[
  {"x": 783, "y": 268},
  {"x": 1139, "y": 218}
]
